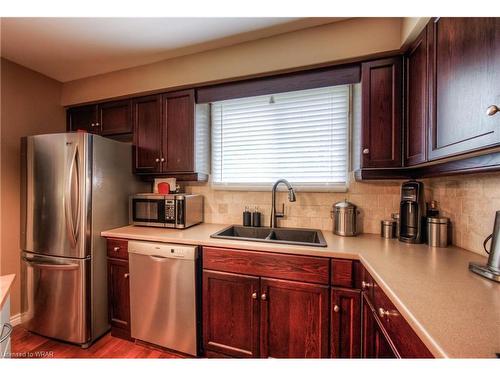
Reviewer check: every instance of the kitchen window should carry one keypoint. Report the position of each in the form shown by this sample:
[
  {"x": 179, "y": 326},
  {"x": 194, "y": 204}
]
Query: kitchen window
[{"x": 302, "y": 136}]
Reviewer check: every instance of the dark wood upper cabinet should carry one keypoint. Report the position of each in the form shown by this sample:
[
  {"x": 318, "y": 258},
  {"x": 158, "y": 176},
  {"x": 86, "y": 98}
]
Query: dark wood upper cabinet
[
  {"x": 83, "y": 118},
  {"x": 147, "y": 134},
  {"x": 294, "y": 319},
  {"x": 178, "y": 132},
  {"x": 115, "y": 118},
  {"x": 231, "y": 314},
  {"x": 381, "y": 113},
  {"x": 345, "y": 332},
  {"x": 464, "y": 81},
  {"x": 416, "y": 119}
]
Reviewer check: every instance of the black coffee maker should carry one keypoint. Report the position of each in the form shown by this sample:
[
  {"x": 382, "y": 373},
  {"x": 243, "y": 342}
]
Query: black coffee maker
[{"x": 412, "y": 212}]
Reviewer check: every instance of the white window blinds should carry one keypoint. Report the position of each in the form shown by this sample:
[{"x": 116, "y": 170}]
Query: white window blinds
[{"x": 301, "y": 136}]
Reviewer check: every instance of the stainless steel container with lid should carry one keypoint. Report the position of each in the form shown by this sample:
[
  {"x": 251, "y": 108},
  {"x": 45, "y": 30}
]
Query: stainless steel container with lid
[
  {"x": 437, "y": 231},
  {"x": 388, "y": 228},
  {"x": 344, "y": 215}
]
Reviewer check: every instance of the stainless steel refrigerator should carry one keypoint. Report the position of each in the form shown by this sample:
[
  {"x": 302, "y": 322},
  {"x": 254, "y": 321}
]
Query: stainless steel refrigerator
[{"x": 74, "y": 185}]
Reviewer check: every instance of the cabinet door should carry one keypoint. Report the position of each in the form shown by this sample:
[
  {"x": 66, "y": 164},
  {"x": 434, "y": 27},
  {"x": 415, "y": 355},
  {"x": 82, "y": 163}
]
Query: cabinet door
[
  {"x": 83, "y": 118},
  {"x": 294, "y": 319},
  {"x": 381, "y": 113},
  {"x": 345, "y": 323},
  {"x": 465, "y": 81},
  {"x": 115, "y": 117},
  {"x": 376, "y": 342},
  {"x": 119, "y": 295},
  {"x": 147, "y": 134},
  {"x": 178, "y": 135},
  {"x": 231, "y": 314},
  {"x": 416, "y": 101}
]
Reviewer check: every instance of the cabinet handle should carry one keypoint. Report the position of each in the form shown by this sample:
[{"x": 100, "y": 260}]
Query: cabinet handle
[
  {"x": 126, "y": 275},
  {"x": 162, "y": 160},
  {"x": 157, "y": 160},
  {"x": 96, "y": 124},
  {"x": 116, "y": 248},
  {"x": 263, "y": 297},
  {"x": 92, "y": 125},
  {"x": 492, "y": 110},
  {"x": 386, "y": 313},
  {"x": 254, "y": 295},
  {"x": 336, "y": 308},
  {"x": 366, "y": 151},
  {"x": 365, "y": 285}
]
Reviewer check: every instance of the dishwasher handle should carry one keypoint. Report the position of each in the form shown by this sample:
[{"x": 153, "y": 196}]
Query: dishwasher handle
[{"x": 158, "y": 258}]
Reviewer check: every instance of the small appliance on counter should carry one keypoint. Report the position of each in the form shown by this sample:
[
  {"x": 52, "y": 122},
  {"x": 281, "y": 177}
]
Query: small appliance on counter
[
  {"x": 168, "y": 211},
  {"x": 492, "y": 268},
  {"x": 412, "y": 212},
  {"x": 344, "y": 215}
]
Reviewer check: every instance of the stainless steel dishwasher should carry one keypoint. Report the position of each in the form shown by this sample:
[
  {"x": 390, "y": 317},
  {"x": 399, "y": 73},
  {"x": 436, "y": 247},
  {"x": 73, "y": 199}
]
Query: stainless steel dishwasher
[{"x": 163, "y": 295}]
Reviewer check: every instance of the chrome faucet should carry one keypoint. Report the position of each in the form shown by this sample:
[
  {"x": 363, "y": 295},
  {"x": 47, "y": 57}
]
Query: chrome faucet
[{"x": 291, "y": 198}]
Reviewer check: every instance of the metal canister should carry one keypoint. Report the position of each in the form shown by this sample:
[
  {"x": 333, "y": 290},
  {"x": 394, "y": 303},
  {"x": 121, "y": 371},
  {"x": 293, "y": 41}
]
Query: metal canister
[
  {"x": 388, "y": 228},
  {"x": 395, "y": 217},
  {"x": 344, "y": 215},
  {"x": 437, "y": 231}
]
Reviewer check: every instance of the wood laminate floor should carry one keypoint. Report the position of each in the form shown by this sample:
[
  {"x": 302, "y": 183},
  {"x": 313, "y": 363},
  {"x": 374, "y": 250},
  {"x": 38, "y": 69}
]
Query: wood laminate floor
[{"x": 29, "y": 345}]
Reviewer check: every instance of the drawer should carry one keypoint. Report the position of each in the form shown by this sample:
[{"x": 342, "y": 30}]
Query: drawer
[
  {"x": 275, "y": 265},
  {"x": 117, "y": 248},
  {"x": 402, "y": 335},
  {"x": 346, "y": 273}
]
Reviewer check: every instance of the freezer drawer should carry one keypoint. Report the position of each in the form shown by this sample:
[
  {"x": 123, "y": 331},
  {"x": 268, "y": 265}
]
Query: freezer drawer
[
  {"x": 163, "y": 295},
  {"x": 56, "y": 302}
]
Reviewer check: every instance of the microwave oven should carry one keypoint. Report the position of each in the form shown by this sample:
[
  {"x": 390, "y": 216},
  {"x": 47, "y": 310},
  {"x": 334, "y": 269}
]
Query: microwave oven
[{"x": 167, "y": 211}]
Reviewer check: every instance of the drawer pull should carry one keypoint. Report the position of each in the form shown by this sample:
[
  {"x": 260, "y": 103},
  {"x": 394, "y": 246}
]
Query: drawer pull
[
  {"x": 263, "y": 297},
  {"x": 492, "y": 110},
  {"x": 116, "y": 248},
  {"x": 254, "y": 295},
  {"x": 126, "y": 275},
  {"x": 336, "y": 308}
]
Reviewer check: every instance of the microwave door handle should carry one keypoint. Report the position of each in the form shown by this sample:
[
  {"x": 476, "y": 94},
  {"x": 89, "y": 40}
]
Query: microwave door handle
[{"x": 179, "y": 213}]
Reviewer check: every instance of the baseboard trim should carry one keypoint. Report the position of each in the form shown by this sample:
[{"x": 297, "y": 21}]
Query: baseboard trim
[{"x": 15, "y": 319}]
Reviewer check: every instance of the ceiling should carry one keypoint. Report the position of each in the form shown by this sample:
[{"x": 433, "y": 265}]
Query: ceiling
[{"x": 71, "y": 48}]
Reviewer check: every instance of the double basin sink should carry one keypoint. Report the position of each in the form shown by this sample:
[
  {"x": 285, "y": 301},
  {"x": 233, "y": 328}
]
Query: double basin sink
[{"x": 290, "y": 236}]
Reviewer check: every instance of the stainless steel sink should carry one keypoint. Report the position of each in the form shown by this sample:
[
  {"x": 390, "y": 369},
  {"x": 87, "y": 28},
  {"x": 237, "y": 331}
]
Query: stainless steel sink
[{"x": 291, "y": 236}]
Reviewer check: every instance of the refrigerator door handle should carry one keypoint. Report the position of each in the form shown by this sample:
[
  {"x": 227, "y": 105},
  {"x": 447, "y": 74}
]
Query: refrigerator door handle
[
  {"x": 73, "y": 228},
  {"x": 57, "y": 266}
]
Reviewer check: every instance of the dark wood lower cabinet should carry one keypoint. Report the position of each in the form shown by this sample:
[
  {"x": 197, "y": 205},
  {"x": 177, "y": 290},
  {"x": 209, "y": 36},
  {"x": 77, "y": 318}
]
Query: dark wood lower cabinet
[
  {"x": 119, "y": 297},
  {"x": 345, "y": 324},
  {"x": 294, "y": 319},
  {"x": 231, "y": 314},
  {"x": 376, "y": 342}
]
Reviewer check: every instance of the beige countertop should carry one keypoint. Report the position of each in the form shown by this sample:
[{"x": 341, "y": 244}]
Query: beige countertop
[
  {"x": 5, "y": 285},
  {"x": 455, "y": 313}
]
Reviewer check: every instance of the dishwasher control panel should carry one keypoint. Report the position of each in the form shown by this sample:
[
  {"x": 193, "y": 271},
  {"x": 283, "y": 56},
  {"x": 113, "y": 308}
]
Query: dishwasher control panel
[{"x": 163, "y": 250}]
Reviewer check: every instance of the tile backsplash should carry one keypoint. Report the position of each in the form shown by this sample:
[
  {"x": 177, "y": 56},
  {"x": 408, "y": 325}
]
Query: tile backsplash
[
  {"x": 375, "y": 200},
  {"x": 469, "y": 201}
]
